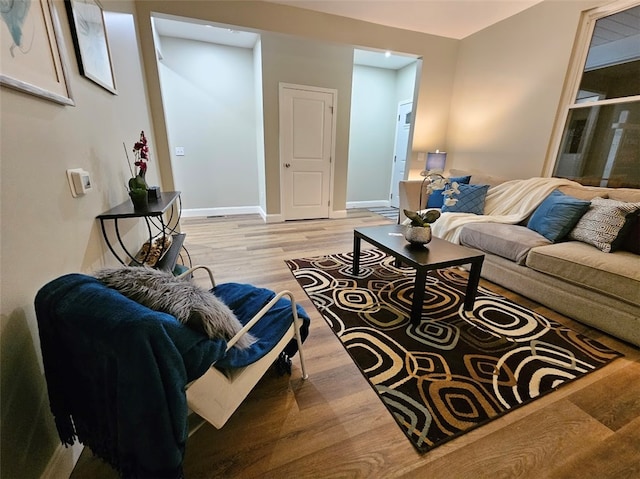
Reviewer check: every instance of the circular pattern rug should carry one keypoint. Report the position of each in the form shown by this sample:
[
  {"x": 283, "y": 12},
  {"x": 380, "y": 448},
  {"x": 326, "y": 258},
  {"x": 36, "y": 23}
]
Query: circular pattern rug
[{"x": 454, "y": 370}]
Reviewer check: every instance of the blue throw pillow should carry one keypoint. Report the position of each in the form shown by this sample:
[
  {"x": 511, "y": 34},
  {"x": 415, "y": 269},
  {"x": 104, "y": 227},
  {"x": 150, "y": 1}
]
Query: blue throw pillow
[
  {"x": 557, "y": 215},
  {"x": 436, "y": 200},
  {"x": 470, "y": 200}
]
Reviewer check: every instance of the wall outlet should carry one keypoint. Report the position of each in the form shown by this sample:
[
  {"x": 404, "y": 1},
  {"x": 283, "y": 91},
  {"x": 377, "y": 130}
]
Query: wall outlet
[{"x": 179, "y": 150}]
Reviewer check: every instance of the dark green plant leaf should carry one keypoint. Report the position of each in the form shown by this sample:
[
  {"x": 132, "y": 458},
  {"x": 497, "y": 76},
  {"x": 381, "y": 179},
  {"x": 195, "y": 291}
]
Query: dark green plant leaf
[{"x": 431, "y": 215}]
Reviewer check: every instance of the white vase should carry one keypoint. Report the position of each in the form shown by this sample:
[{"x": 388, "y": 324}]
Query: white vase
[{"x": 419, "y": 235}]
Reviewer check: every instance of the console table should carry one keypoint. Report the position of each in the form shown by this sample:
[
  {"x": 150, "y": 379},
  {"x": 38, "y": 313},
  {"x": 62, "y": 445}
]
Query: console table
[{"x": 154, "y": 217}]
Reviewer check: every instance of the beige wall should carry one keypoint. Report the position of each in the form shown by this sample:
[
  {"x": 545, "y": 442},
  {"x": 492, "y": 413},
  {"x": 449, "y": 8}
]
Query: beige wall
[
  {"x": 287, "y": 59},
  {"x": 505, "y": 99},
  {"x": 326, "y": 64},
  {"x": 46, "y": 232},
  {"x": 508, "y": 83}
]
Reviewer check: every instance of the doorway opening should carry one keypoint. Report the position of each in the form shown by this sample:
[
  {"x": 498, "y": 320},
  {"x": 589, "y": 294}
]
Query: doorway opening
[{"x": 380, "y": 84}]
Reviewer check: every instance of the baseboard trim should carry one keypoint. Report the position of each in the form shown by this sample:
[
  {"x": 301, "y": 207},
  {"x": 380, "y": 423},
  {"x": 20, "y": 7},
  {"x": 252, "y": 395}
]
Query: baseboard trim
[
  {"x": 62, "y": 461},
  {"x": 369, "y": 204},
  {"x": 272, "y": 218},
  {"x": 250, "y": 210},
  {"x": 227, "y": 211}
]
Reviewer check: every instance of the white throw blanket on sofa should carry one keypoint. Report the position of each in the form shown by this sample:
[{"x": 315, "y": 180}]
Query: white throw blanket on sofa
[{"x": 509, "y": 203}]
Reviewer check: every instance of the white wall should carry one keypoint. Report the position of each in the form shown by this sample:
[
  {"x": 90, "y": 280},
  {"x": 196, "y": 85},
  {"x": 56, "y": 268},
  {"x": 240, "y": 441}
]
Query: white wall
[
  {"x": 209, "y": 98},
  {"x": 372, "y": 132},
  {"x": 405, "y": 82},
  {"x": 376, "y": 93},
  {"x": 260, "y": 157}
]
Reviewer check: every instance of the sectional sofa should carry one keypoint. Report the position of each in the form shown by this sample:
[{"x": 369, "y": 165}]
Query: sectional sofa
[{"x": 573, "y": 277}]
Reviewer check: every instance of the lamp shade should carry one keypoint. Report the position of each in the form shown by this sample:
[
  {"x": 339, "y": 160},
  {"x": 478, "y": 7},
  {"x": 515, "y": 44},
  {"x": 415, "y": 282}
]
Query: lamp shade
[{"x": 436, "y": 161}]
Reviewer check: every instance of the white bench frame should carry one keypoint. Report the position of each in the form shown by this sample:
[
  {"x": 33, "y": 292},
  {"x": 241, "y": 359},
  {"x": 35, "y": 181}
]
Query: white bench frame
[{"x": 215, "y": 395}]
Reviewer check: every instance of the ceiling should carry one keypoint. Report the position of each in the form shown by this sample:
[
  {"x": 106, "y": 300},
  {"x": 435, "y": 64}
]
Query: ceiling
[
  {"x": 190, "y": 30},
  {"x": 449, "y": 18}
]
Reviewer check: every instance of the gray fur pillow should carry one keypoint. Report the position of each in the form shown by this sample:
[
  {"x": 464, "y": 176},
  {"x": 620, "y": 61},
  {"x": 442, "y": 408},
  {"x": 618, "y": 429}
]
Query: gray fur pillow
[{"x": 190, "y": 304}]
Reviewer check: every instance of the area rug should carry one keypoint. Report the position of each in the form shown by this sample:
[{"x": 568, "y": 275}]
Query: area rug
[{"x": 454, "y": 371}]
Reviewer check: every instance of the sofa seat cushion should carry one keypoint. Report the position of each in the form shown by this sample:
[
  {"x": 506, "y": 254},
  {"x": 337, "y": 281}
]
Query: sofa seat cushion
[
  {"x": 614, "y": 274},
  {"x": 508, "y": 241}
]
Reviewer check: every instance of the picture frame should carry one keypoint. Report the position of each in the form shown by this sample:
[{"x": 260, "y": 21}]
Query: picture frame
[
  {"x": 32, "y": 54},
  {"x": 91, "y": 43}
]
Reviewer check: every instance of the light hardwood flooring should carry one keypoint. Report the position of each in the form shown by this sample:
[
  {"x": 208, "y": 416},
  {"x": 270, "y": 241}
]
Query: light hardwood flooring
[{"x": 333, "y": 425}]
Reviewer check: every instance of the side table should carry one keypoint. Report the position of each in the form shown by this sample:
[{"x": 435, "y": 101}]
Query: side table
[{"x": 154, "y": 217}]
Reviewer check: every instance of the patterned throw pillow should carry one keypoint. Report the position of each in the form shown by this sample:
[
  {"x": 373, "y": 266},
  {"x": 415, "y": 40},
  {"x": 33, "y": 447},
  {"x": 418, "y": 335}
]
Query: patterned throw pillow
[
  {"x": 436, "y": 200},
  {"x": 604, "y": 224},
  {"x": 470, "y": 200}
]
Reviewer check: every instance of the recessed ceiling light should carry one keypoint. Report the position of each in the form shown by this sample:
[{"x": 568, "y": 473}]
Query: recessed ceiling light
[{"x": 387, "y": 54}]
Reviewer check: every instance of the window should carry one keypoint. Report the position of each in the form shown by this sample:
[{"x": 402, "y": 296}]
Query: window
[{"x": 600, "y": 141}]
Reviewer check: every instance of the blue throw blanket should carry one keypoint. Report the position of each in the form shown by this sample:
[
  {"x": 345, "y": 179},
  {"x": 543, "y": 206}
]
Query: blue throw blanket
[
  {"x": 245, "y": 300},
  {"x": 116, "y": 372}
]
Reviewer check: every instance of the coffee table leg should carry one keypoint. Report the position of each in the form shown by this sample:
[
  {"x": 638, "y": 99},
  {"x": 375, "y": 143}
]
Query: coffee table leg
[
  {"x": 472, "y": 284},
  {"x": 356, "y": 254},
  {"x": 418, "y": 295}
]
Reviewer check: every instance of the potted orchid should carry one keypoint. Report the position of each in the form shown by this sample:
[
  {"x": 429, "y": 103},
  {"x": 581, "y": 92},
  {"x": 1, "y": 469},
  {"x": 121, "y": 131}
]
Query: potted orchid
[
  {"x": 422, "y": 219},
  {"x": 434, "y": 180},
  {"x": 418, "y": 231},
  {"x": 137, "y": 183}
]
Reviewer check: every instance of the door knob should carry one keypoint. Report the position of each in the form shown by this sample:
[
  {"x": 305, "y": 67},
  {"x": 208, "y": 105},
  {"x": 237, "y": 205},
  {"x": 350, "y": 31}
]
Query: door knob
[{"x": 287, "y": 165}]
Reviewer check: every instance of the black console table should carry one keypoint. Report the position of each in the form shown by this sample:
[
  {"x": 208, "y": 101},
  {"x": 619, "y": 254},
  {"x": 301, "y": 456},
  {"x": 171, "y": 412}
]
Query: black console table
[{"x": 154, "y": 216}]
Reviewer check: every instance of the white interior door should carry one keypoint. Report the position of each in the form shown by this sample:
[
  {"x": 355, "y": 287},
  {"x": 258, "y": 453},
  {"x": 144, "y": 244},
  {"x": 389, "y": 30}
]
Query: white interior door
[
  {"x": 401, "y": 147},
  {"x": 306, "y": 145}
]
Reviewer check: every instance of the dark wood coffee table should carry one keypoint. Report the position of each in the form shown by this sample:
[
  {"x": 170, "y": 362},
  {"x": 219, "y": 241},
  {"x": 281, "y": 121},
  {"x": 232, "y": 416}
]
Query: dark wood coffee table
[{"x": 437, "y": 254}]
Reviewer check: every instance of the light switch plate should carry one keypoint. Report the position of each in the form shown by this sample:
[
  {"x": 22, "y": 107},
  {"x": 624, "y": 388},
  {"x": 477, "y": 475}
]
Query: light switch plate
[{"x": 79, "y": 181}]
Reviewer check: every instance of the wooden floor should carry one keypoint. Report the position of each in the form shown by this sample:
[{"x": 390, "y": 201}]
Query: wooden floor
[{"x": 334, "y": 426}]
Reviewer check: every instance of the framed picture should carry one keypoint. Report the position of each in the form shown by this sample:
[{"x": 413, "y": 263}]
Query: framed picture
[
  {"x": 90, "y": 41},
  {"x": 32, "y": 57}
]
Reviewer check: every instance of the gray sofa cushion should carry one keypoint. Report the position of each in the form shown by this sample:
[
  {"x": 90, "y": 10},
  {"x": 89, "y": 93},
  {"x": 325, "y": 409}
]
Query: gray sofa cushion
[
  {"x": 509, "y": 241},
  {"x": 614, "y": 274}
]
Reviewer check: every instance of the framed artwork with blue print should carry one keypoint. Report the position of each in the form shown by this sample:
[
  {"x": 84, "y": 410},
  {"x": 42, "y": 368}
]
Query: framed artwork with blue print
[{"x": 32, "y": 55}]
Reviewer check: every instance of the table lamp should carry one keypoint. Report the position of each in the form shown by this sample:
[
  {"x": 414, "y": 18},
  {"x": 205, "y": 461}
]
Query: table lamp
[
  {"x": 432, "y": 172},
  {"x": 436, "y": 161}
]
